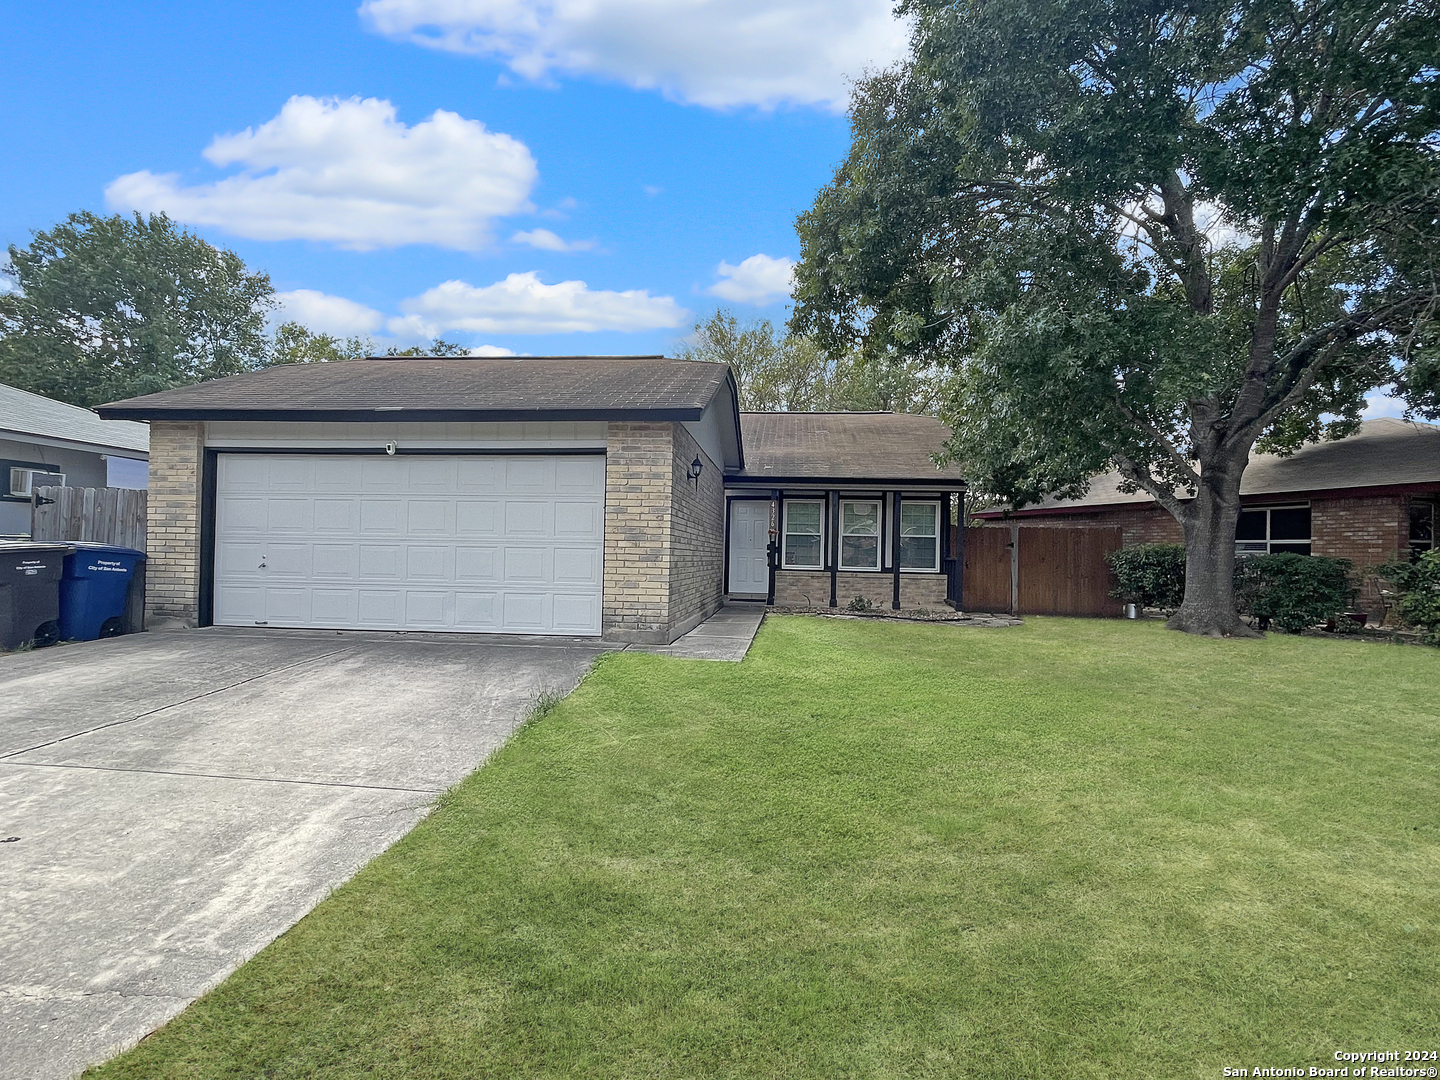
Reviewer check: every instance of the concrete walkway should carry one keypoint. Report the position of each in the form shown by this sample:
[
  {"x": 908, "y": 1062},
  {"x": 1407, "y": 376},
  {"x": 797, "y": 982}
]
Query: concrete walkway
[
  {"x": 726, "y": 635},
  {"x": 177, "y": 800}
]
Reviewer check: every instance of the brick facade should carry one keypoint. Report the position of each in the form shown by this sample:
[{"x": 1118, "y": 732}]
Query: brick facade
[
  {"x": 811, "y": 588},
  {"x": 172, "y": 573},
  {"x": 663, "y": 539},
  {"x": 697, "y": 536}
]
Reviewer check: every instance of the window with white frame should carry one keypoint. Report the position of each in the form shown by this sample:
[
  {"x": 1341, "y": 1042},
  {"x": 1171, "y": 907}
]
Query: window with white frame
[
  {"x": 1273, "y": 529},
  {"x": 804, "y": 527},
  {"x": 919, "y": 536},
  {"x": 859, "y": 535},
  {"x": 25, "y": 481}
]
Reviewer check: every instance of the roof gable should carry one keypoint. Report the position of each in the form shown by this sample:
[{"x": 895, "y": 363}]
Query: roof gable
[{"x": 25, "y": 414}]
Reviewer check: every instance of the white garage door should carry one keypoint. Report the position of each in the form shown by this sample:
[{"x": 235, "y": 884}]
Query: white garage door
[{"x": 485, "y": 543}]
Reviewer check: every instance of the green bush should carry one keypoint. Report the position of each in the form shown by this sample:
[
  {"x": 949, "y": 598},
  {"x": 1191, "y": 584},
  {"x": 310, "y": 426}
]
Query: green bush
[
  {"x": 1292, "y": 591},
  {"x": 1151, "y": 575},
  {"x": 1419, "y": 586}
]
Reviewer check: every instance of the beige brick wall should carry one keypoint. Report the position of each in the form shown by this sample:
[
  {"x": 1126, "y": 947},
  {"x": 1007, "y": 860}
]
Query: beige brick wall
[
  {"x": 697, "y": 535},
  {"x": 639, "y": 472},
  {"x": 172, "y": 573},
  {"x": 811, "y": 588}
]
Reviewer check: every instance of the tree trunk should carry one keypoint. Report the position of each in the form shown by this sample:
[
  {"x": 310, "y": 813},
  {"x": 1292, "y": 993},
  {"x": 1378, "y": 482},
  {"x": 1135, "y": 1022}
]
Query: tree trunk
[{"x": 1209, "y": 604}]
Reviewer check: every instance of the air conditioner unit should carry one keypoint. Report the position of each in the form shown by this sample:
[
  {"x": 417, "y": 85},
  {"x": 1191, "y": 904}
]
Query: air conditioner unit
[{"x": 25, "y": 481}]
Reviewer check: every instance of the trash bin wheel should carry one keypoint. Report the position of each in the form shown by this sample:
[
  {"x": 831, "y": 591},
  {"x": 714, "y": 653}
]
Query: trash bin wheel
[
  {"x": 112, "y": 627},
  {"x": 46, "y": 634}
]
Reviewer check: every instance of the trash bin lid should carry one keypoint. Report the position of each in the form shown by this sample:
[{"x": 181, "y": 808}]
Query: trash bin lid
[
  {"x": 87, "y": 545},
  {"x": 36, "y": 545}
]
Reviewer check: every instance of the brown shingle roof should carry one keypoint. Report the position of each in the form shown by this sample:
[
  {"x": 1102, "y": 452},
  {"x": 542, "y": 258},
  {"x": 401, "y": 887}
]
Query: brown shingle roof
[
  {"x": 1384, "y": 453},
  {"x": 843, "y": 446},
  {"x": 448, "y": 388}
]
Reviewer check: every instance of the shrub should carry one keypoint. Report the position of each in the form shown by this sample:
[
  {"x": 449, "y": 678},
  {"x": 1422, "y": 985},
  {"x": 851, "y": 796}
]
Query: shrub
[
  {"x": 1151, "y": 575},
  {"x": 860, "y": 604},
  {"x": 1292, "y": 591},
  {"x": 1419, "y": 586}
]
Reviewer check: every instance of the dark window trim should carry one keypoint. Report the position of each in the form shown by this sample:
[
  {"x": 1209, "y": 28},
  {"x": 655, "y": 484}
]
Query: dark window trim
[{"x": 784, "y": 524}]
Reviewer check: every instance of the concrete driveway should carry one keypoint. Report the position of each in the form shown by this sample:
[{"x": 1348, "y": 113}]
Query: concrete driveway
[{"x": 178, "y": 800}]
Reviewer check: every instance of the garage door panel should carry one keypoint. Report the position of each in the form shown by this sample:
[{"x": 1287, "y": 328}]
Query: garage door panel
[
  {"x": 335, "y": 607},
  {"x": 581, "y": 473},
  {"x": 477, "y": 611},
  {"x": 484, "y": 474},
  {"x": 525, "y": 611},
  {"x": 428, "y": 563},
  {"x": 234, "y": 560},
  {"x": 577, "y": 520},
  {"x": 337, "y": 473},
  {"x": 237, "y": 515},
  {"x": 336, "y": 561},
  {"x": 389, "y": 543},
  {"x": 382, "y": 517},
  {"x": 526, "y": 518},
  {"x": 526, "y": 474},
  {"x": 341, "y": 516},
  {"x": 576, "y": 566},
  {"x": 429, "y": 517},
  {"x": 477, "y": 563},
  {"x": 575, "y": 613},
  {"x": 526, "y": 565}
]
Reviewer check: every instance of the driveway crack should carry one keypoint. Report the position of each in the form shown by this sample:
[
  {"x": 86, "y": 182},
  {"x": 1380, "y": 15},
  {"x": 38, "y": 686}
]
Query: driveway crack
[{"x": 177, "y": 704}]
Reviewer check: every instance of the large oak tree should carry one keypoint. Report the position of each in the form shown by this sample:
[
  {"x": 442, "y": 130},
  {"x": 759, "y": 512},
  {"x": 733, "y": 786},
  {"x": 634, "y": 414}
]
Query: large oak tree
[{"x": 1147, "y": 234}]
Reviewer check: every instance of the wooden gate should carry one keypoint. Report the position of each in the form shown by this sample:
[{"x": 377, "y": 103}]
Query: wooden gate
[
  {"x": 99, "y": 515},
  {"x": 1033, "y": 570}
]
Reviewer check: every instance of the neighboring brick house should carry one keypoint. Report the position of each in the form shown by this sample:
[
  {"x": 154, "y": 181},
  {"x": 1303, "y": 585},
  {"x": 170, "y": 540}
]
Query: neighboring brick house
[
  {"x": 1371, "y": 498},
  {"x": 551, "y": 495}
]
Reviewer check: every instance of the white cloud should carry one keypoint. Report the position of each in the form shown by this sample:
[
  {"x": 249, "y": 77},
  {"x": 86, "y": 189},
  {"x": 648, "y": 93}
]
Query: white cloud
[
  {"x": 545, "y": 240},
  {"x": 758, "y": 280},
  {"x": 326, "y": 314},
  {"x": 523, "y": 304},
  {"x": 490, "y": 350},
  {"x": 1379, "y": 403},
  {"x": 347, "y": 172},
  {"x": 719, "y": 53}
]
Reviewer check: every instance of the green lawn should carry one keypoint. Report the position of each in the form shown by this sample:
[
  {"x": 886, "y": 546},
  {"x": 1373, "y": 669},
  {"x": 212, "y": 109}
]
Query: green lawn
[{"x": 1069, "y": 849}]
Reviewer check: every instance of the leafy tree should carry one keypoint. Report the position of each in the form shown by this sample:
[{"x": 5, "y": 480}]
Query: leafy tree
[
  {"x": 295, "y": 343},
  {"x": 1147, "y": 233},
  {"x": 793, "y": 374},
  {"x": 112, "y": 307}
]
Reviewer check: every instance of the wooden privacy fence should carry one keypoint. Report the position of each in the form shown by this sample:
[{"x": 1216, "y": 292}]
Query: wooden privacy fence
[
  {"x": 99, "y": 515},
  {"x": 1032, "y": 570}
]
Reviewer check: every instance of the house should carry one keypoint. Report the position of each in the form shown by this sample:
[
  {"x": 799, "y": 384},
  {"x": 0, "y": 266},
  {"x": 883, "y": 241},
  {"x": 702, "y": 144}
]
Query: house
[
  {"x": 1371, "y": 498},
  {"x": 615, "y": 496},
  {"x": 47, "y": 443}
]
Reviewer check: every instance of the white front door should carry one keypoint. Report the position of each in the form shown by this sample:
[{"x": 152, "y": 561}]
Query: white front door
[
  {"x": 497, "y": 543},
  {"x": 749, "y": 535}
]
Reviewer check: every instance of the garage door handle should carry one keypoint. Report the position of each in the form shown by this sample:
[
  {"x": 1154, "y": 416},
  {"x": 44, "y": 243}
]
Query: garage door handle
[{"x": 262, "y": 562}]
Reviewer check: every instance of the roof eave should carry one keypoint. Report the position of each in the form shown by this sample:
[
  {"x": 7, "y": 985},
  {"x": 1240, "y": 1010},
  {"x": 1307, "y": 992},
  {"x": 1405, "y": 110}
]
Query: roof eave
[{"x": 299, "y": 415}]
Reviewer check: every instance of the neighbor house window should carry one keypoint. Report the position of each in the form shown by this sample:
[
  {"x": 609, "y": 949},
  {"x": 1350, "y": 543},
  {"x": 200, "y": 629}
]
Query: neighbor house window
[
  {"x": 26, "y": 481},
  {"x": 802, "y": 534},
  {"x": 1422, "y": 528},
  {"x": 919, "y": 536},
  {"x": 1272, "y": 530},
  {"x": 859, "y": 536}
]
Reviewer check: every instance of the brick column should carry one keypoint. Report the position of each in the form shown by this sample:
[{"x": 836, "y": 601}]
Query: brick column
[
  {"x": 639, "y": 479},
  {"x": 172, "y": 575}
]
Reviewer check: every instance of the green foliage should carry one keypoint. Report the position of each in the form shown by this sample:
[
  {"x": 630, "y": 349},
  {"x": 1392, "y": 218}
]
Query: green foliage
[
  {"x": 1292, "y": 591},
  {"x": 112, "y": 307},
  {"x": 297, "y": 344},
  {"x": 1144, "y": 234},
  {"x": 1150, "y": 575},
  {"x": 1419, "y": 587},
  {"x": 860, "y": 605},
  {"x": 793, "y": 374}
]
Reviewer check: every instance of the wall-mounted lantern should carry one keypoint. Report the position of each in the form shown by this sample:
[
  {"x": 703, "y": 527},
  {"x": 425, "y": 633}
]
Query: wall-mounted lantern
[{"x": 696, "y": 468}]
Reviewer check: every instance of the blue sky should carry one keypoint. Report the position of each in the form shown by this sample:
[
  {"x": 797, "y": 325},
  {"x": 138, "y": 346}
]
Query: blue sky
[{"x": 633, "y": 146}]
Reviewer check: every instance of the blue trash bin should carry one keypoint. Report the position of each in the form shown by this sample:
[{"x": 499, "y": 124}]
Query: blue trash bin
[{"x": 95, "y": 591}]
